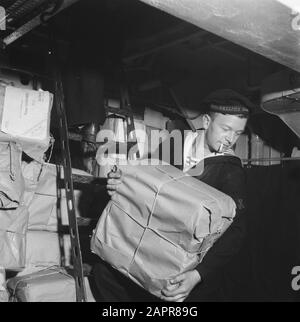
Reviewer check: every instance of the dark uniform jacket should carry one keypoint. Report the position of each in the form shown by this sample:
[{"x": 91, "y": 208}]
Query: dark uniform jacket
[{"x": 225, "y": 173}]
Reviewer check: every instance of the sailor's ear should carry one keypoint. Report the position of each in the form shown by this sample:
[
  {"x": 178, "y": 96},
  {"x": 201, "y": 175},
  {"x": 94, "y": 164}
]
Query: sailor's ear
[{"x": 206, "y": 121}]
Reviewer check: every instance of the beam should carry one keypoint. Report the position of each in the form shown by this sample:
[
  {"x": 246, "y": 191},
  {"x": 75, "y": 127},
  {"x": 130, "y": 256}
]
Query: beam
[
  {"x": 162, "y": 40},
  {"x": 266, "y": 27},
  {"x": 33, "y": 23},
  {"x": 219, "y": 46}
]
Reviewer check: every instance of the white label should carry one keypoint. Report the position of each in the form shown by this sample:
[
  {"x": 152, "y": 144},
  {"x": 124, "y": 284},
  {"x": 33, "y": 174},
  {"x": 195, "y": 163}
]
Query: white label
[{"x": 26, "y": 113}]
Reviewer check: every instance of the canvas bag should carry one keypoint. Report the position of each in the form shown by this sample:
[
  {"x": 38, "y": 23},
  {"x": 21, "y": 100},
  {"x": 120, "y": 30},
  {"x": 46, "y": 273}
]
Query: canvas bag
[
  {"x": 12, "y": 182},
  {"x": 13, "y": 228},
  {"x": 160, "y": 223},
  {"x": 42, "y": 196},
  {"x": 46, "y": 248}
]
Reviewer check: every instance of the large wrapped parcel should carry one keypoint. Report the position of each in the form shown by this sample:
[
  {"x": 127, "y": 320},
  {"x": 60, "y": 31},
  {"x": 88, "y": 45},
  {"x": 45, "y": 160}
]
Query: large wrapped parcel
[{"x": 160, "y": 223}]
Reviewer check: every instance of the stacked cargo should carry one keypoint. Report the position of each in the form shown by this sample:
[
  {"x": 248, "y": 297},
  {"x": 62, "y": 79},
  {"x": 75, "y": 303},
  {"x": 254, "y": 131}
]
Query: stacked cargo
[{"x": 32, "y": 204}]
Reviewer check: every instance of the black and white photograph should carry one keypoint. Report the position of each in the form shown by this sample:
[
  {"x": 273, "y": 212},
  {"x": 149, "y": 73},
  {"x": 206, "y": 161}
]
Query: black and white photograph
[{"x": 149, "y": 154}]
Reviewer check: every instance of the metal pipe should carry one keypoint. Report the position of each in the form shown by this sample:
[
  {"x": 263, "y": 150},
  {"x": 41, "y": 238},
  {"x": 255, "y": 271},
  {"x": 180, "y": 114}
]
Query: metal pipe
[{"x": 271, "y": 159}]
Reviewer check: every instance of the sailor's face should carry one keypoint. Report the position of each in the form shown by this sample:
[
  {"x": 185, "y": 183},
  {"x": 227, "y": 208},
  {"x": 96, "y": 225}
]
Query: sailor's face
[{"x": 222, "y": 131}]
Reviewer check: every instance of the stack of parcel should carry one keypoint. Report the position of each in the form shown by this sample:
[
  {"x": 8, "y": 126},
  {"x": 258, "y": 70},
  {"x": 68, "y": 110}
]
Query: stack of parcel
[{"x": 32, "y": 205}]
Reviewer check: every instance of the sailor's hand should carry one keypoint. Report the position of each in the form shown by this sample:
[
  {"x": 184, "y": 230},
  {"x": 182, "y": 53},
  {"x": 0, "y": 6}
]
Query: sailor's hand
[
  {"x": 181, "y": 286},
  {"x": 114, "y": 179}
]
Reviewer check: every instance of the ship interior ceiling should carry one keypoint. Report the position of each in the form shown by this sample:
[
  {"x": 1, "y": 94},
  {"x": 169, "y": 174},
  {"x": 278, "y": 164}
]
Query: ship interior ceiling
[
  {"x": 167, "y": 63},
  {"x": 151, "y": 51}
]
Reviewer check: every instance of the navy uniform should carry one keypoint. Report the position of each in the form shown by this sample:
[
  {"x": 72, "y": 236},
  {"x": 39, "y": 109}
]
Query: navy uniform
[{"x": 224, "y": 172}]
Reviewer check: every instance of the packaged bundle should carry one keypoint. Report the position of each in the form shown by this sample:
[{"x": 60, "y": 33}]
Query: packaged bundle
[
  {"x": 25, "y": 118},
  {"x": 52, "y": 284},
  {"x": 45, "y": 249},
  {"x": 160, "y": 223},
  {"x": 46, "y": 200},
  {"x": 4, "y": 296},
  {"x": 48, "y": 285},
  {"x": 12, "y": 182},
  {"x": 3, "y": 291},
  {"x": 13, "y": 228}
]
